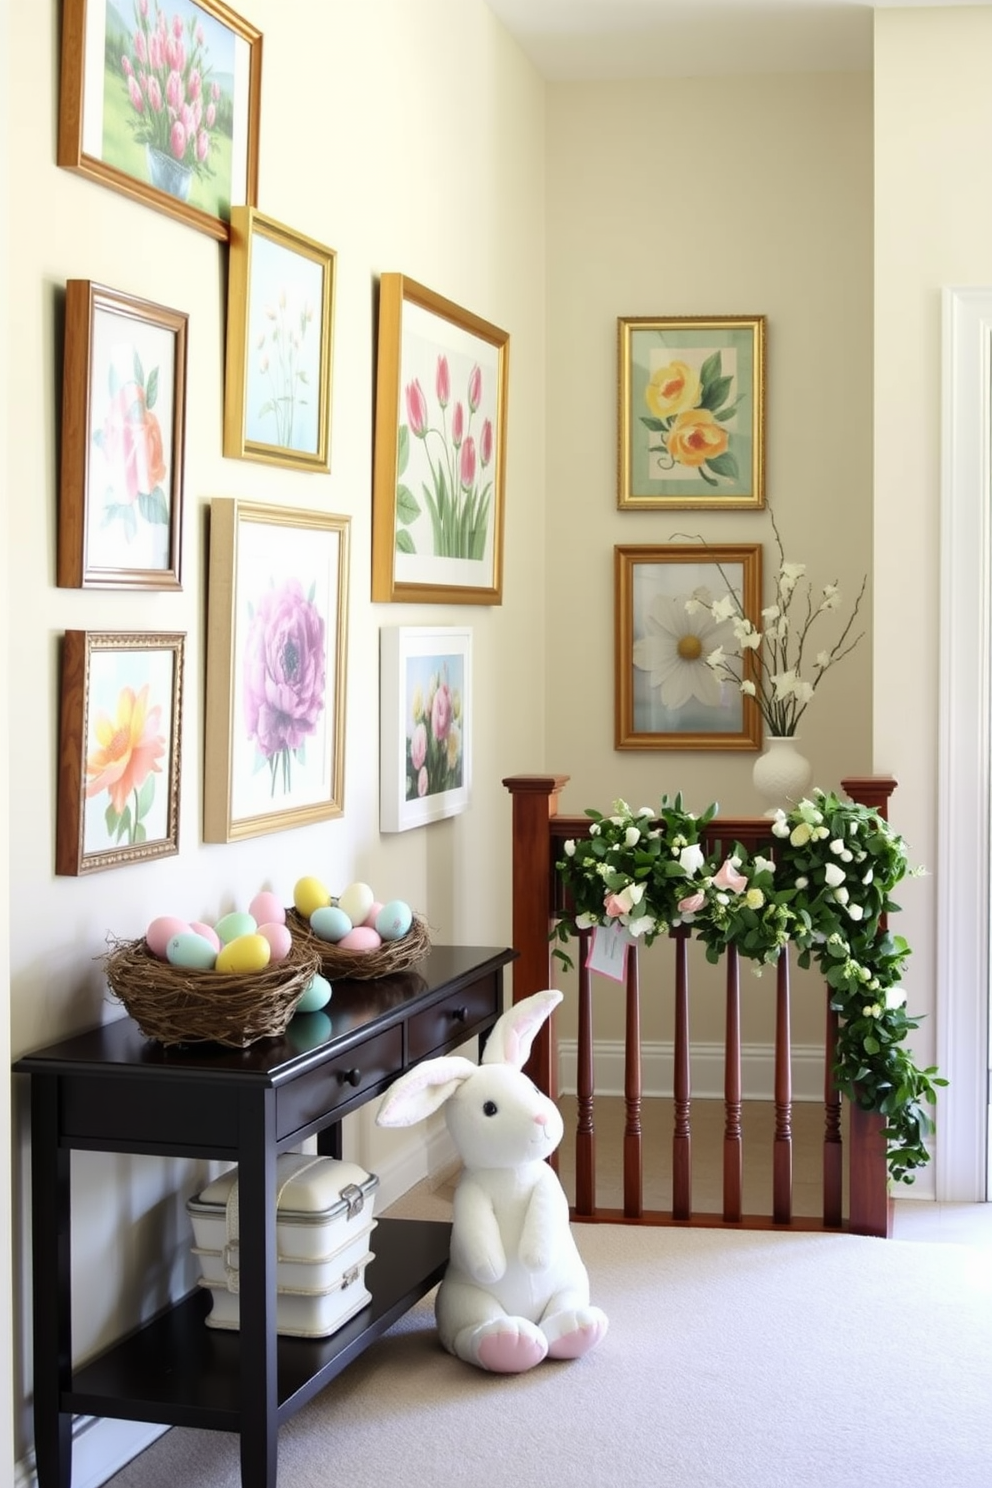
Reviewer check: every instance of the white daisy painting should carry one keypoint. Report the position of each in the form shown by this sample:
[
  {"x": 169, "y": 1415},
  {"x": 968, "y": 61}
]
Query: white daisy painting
[{"x": 668, "y": 696}]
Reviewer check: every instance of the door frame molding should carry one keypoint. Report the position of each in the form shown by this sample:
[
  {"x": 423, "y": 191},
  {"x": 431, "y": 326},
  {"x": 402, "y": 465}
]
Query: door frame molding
[{"x": 964, "y": 840}]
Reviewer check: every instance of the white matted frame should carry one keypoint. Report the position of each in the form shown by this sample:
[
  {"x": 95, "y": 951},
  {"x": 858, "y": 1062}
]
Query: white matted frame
[
  {"x": 425, "y": 724},
  {"x": 276, "y": 654}
]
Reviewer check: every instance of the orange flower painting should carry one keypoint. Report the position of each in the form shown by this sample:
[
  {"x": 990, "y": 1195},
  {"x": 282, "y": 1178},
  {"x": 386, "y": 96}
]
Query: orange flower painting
[{"x": 126, "y": 759}]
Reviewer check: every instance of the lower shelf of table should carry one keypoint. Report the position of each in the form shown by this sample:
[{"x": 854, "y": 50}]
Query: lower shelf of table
[{"x": 178, "y": 1372}]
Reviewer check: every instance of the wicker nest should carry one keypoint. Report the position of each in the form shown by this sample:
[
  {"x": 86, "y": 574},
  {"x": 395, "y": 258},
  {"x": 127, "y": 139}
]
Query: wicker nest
[
  {"x": 391, "y": 956},
  {"x": 177, "y": 1006}
]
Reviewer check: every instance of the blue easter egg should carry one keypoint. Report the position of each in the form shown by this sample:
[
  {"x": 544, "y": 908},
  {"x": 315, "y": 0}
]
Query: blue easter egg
[
  {"x": 192, "y": 951},
  {"x": 330, "y": 922},
  {"x": 317, "y": 995},
  {"x": 394, "y": 919}
]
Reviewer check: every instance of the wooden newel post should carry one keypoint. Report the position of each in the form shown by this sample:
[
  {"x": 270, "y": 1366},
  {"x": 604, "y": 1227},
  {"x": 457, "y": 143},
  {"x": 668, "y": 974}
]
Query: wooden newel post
[
  {"x": 870, "y": 1202},
  {"x": 535, "y": 800}
]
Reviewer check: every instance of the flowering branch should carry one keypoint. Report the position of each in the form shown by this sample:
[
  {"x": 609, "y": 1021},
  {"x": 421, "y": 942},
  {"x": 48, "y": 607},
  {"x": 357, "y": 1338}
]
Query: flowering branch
[
  {"x": 827, "y": 890},
  {"x": 781, "y": 692}
]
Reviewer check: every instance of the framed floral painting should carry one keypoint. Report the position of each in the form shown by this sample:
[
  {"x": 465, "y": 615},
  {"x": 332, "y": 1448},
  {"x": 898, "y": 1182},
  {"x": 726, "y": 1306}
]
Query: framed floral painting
[
  {"x": 120, "y": 721},
  {"x": 440, "y": 450},
  {"x": 668, "y": 692},
  {"x": 276, "y": 654},
  {"x": 692, "y": 411},
  {"x": 280, "y": 318},
  {"x": 425, "y": 724},
  {"x": 159, "y": 99},
  {"x": 123, "y": 421}
]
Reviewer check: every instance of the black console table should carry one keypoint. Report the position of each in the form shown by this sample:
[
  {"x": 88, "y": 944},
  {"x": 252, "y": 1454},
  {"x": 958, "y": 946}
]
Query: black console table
[{"x": 112, "y": 1090}]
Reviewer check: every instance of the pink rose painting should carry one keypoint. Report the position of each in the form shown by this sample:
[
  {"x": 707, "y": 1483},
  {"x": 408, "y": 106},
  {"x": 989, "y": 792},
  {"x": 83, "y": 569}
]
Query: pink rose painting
[{"x": 285, "y": 670}]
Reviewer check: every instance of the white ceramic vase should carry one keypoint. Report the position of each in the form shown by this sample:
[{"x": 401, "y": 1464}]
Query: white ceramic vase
[{"x": 781, "y": 774}]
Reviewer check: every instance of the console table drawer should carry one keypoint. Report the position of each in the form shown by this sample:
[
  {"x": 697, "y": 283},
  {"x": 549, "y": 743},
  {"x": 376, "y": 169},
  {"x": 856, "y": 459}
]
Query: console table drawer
[
  {"x": 436, "y": 1026},
  {"x": 338, "y": 1081}
]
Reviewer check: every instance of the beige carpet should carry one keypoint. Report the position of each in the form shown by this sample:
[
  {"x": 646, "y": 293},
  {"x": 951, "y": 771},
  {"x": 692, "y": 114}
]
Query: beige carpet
[{"x": 741, "y": 1360}]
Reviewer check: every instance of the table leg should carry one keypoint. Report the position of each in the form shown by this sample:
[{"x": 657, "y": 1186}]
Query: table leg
[
  {"x": 257, "y": 1246},
  {"x": 51, "y": 1258}
]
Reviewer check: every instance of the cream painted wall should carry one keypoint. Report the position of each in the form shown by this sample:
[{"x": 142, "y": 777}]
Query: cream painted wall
[
  {"x": 933, "y": 133},
  {"x": 6, "y": 1362},
  {"x": 407, "y": 137},
  {"x": 748, "y": 195}
]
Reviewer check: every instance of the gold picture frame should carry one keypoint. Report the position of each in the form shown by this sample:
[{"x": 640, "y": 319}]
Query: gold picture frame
[
  {"x": 666, "y": 697},
  {"x": 277, "y": 379},
  {"x": 691, "y": 412},
  {"x": 440, "y": 450},
  {"x": 276, "y": 659},
  {"x": 123, "y": 431},
  {"x": 168, "y": 117},
  {"x": 117, "y": 806}
]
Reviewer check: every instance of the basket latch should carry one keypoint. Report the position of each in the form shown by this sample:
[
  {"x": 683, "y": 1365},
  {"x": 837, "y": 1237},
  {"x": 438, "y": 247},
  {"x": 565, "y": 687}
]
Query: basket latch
[{"x": 354, "y": 1198}]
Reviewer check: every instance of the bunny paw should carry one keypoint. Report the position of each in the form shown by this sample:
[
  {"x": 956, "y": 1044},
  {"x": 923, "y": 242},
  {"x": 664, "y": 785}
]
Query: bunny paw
[
  {"x": 508, "y": 1346},
  {"x": 573, "y": 1333}
]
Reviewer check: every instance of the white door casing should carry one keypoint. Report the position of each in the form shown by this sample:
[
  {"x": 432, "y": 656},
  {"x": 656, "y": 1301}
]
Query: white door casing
[{"x": 964, "y": 841}]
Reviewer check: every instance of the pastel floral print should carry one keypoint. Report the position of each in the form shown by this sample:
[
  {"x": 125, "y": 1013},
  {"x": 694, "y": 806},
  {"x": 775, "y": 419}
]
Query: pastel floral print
[
  {"x": 458, "y": 447},
  {"x": 280, "y": 346},
  {"x": 130, "y": 440},
  {"x": 689, "y": 413},
  {"x": 124, "y": 763},
  {"x": 675, "y": 649},
  {"x": 434, "y": 747},
  {"x": 174, "y": 102},
  {"x": 284, "y": 678}
]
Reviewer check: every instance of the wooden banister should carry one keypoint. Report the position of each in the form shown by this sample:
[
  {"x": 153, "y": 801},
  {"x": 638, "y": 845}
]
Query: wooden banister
[{"x": 538, "y": 898}]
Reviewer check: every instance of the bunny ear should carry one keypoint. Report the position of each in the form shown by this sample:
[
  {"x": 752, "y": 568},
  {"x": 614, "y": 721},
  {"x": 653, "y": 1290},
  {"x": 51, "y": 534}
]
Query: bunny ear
[
  {"x": 513, "y": 1034},
  {"x": 420, "y": 1092}
]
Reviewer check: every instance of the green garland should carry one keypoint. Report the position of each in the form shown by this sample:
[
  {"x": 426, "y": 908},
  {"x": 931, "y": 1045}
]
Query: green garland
[{"x": 826, "y": 892}]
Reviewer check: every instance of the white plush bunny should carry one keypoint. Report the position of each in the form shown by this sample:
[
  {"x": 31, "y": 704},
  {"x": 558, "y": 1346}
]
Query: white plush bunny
[{"x": 516, "y": 1289}]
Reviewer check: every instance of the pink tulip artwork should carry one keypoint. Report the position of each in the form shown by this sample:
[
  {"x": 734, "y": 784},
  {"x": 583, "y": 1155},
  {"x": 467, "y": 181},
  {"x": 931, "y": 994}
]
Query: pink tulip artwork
[
  {"x": 455, "y": 445},
  {"x": 435, "y": 724}
]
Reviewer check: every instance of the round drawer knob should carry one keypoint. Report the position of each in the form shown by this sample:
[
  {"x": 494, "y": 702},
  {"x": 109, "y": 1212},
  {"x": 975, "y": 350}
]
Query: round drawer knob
[
  {"x": 350, "y": 1077},
  {"x": 460, "y": 1014}
]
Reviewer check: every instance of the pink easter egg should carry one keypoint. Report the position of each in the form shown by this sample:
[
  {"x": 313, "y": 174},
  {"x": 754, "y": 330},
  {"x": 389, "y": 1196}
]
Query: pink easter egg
[
  {"x": 199, "y": 927},
  {"x": 267, "y": 909},
  {"x": 161, "y": 931},
  {"x": 279, "y": 938},
  {"x": 373, "y": 914},
  {"x": 362, "y": 938}
]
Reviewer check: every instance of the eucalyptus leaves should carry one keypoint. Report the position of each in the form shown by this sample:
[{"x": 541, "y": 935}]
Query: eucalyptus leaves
[{"x": 826, "y": 890}]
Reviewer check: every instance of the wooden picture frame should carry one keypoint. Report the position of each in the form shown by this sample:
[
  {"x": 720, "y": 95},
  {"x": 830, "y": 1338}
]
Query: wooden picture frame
[
  {"x": 120, "y": 728},
  {"x": 166, "y": 112},
  {"x": 666, "y": 696},
  {"x": 123, "y": 441},
  {"x": 425, "y": 724},
  {"x": 276, "y": 656},
  {"x": 691, "y": 412},
  {"x": 440, "y": 450},
  {"x": 280, "y": 325}
]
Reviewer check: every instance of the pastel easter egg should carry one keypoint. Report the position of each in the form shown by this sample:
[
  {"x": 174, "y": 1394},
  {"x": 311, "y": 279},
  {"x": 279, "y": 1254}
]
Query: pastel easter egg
[
  {"x": 394, "y": 919},
  {"x": 191, "y": 951},
  {"x": 317, "y": 995},
  {"x": 310, "y": 894},
  {"x": 280, "y": 940},
  {"x": 356, "y": 901},
  {"x": 231, "y": 926},
  {"x": 362, "y": 938},
  {"x": 330, "y": 922},
  {"x": 373, "y": 913},
  {"x": 267, "y": 908},
  {"x": 207, "y": 931},
  {"x": 161, "y": 931},
  {"x": 244, "y": 953}
]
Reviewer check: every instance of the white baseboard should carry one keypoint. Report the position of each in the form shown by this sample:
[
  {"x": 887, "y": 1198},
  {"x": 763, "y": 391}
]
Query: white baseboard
[
  {"x": 100, "y": 1448},
  {"x": 706, "y": 1069},
  {"x": 419, "y": 1160}
]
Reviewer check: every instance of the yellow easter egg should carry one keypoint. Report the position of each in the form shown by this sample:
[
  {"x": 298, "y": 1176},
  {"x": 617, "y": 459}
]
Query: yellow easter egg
[
  {"x": 310, "y": 894},
  {"x": 244, "y": 953}
]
